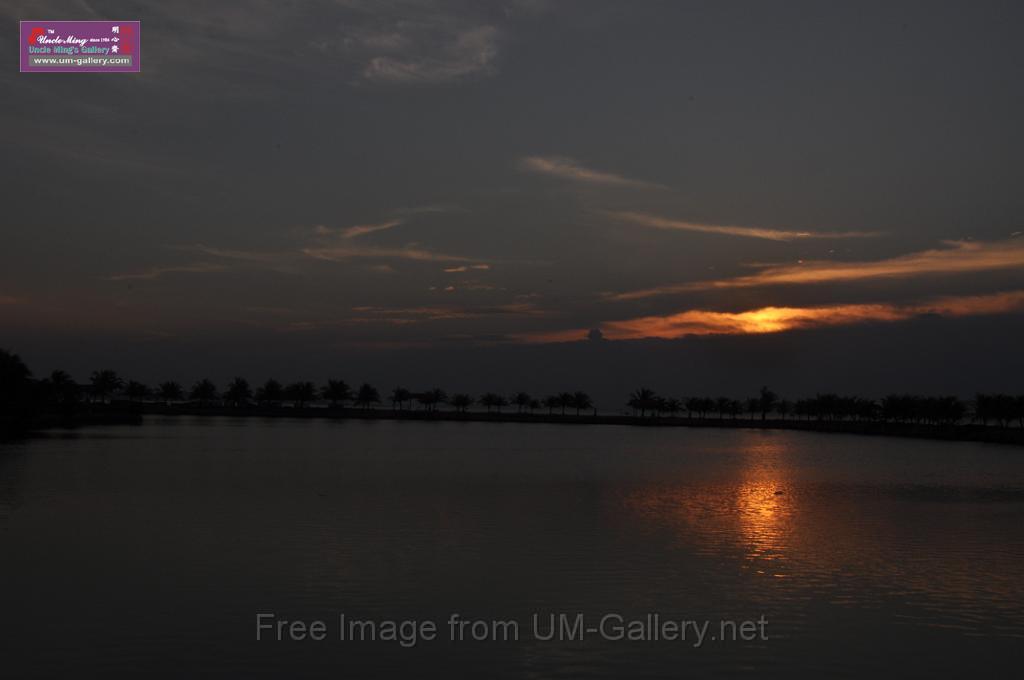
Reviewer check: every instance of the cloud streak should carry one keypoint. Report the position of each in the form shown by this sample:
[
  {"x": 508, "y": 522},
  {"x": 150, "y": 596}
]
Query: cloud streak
[
  {"x": 455, "y": 55},
  {"x": 466, "y": 268},
  {"x": 656, "y": 222},
  {"x": 401, "y": 316},
  {"x": 779, "y": 319},
  {"x": 158, "y": 272},
  {"x": 363, "y": 229},
  {"x": 569, "y": 169},
  {"x": 345, "y": 253},
  {"x": 957, "y": 258}
]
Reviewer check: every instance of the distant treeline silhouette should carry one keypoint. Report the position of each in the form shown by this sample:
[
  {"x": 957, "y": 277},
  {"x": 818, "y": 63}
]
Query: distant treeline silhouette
[{"x": 21, "y": 396}]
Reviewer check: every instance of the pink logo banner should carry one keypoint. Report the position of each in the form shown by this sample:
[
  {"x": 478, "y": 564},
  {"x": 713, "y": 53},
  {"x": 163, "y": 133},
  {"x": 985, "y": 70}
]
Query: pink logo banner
[{"x": 81, "y": 46}]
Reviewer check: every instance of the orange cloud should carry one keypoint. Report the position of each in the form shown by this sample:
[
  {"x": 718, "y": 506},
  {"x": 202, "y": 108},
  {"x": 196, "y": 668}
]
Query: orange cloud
[
  {"x": 959, "y": 257},
  {"x": 655, "y": 222},
  {"x": 778, "y": 319}
]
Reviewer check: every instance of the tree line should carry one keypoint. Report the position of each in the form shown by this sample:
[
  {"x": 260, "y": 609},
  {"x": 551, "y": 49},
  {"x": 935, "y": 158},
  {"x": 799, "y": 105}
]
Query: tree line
[
  {"x": 18, "y": 389},
  {"x": 1000, "y": 409}
]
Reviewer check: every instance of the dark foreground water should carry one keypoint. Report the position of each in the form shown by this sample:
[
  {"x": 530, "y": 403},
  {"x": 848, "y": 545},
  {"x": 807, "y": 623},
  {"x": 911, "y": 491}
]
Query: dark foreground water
[{"x": 149, "y": 551}]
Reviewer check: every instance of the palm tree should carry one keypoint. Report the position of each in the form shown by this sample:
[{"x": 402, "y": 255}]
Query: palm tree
[
  {"x": 534, "y": 405},
  {"x": 399, "y": 396},
  {"x": 521, "y": 400},
  {"x": 437, "y": 396},
  {"x": 581, "y": 400},
  {"x": 431, "y": 398},
  {"x": 673, "y": 406},
  {"x": 722, "y": 405},
  {"x": 552, "y": 402},
  {"x": 692, "y": 406},
  {"x": 642, "y": 400},
  {"x": 461, "y": 402},
  {"x": 766, "y": 401},
  {"x": 105, "y": 383},
  {"x": 171, "y": 391},
  {"x": 136, "y": 391},
  {"x": 336, "y": 392},
  {"x": 367, "y": 396},
  {"x": 300, "y": 393},
  {"x": 489, "y": 400},
  {"x": 238, "y": 393},
  {"x": 64, "y": 388},
  {"x": 204, "y": 392},
  {"x": 271, "y": 394},
  {"x": 14, "y": 376},
  {"x": 565, "y": 401}
]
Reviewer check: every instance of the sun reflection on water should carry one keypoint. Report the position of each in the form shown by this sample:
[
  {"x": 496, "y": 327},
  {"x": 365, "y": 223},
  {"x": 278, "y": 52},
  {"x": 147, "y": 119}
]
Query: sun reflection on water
[{"x": 752, "y": 513}]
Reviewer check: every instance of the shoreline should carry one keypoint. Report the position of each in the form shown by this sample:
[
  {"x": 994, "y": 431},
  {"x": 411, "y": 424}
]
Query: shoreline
[{"x": 123, "y": 414}]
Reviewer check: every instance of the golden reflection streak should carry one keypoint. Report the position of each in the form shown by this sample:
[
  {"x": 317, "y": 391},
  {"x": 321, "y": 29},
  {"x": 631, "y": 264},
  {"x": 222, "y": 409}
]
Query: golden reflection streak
[{"x": 755, "y": 514}]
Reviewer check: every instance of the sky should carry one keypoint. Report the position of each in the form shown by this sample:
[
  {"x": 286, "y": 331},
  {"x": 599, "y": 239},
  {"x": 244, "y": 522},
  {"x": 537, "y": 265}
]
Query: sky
[{"x": 698, "y": 196}]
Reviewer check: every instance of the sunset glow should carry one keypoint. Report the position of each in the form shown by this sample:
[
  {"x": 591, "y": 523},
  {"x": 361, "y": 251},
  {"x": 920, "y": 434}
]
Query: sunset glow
[{"x": 778, "y": 319}]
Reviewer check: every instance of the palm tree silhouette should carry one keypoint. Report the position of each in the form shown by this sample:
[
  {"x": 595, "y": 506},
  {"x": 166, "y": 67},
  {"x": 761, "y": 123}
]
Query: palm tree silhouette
[
  {"x": 14, "y": 376},
  {"x": 565, "y": 401},
  {"x": 753, "y": 406},
  {"x": 336, "y": 392},
  {"x": 300, "y": 393},
  {"x": 104, "y": 383},
  {"x": 673, "y": 406},
  {"x": 461, "y": 402},
  {"x": 766, "y": 401},
  {"x": 431, "y": 398},
  {"x": 522, "y": 401},
  {"x": 581, "y": 401},
  {"x": 64, "y": 389},
  {"x": 437, "y": 397},
  {"x": 271, "y": 394},
  {"x": 367, "y": 396},
  {"x": 399, "y": 396},
  {"x": 552, "y": 402},
  {"x": 238, "y": 392},
  {"x": 642, "y": 400},
  {"x": 136, "y": 391},
  {"x": 171, "y": 391},
  {"x": 204, "y": 392},
  {"x": 490, "y": 400}
]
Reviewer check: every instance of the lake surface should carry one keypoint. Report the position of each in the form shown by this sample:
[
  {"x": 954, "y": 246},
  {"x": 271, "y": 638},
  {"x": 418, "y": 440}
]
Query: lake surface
[{"x": 149, "y": 551}]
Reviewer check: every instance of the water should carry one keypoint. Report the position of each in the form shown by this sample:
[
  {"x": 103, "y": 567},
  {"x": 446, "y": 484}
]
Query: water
[{"x": 148, "y": 551}]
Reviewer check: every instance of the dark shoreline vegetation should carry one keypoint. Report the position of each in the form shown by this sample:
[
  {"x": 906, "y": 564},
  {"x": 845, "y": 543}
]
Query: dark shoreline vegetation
[{"x": 30, "y": 405}]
